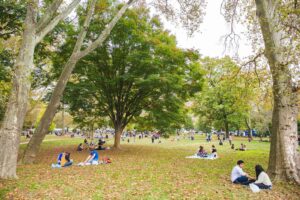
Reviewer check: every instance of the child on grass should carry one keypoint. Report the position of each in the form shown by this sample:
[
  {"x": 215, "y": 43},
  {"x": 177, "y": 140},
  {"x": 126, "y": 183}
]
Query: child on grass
[{"x": 63, "y": 160}]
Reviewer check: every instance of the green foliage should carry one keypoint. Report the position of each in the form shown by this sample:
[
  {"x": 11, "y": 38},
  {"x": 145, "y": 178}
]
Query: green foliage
[
  {"x": 12, "y": 15},
  {"x": 52, "y": 125},
  {"x": 224, "y": 101},
  {"x": 138, "y": 73},
  {"x": 4, "y": 94}
]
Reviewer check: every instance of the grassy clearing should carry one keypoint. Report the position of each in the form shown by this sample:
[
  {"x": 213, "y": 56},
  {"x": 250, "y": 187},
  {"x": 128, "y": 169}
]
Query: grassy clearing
[{"x": 143, "y": 171}]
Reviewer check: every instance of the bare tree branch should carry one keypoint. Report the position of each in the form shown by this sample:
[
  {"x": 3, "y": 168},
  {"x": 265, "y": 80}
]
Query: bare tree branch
[
  {"x": 229, "y": 10},
  {"x": 56, "y": 20},
  {"x": 254, "y": 59},
  {"x": 253, "y": 62}
]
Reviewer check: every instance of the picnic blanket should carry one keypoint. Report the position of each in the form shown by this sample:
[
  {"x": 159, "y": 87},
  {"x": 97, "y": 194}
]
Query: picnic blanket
[{"x": 195, "y": 156}]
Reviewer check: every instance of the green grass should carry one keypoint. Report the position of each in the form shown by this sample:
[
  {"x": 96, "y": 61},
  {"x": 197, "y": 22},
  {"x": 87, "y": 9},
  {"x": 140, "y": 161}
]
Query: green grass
[{"x": 142, "y": 171}]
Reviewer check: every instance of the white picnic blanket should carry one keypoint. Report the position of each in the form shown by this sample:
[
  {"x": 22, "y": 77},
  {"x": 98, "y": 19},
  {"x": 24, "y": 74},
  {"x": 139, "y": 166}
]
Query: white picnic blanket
[{"x": 198, "y": 157}]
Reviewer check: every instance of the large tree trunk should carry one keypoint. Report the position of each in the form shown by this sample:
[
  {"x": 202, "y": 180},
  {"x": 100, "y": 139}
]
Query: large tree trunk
[
  {"x": 118, "y": 133},
  {"x": 248, "y": 124},
  {"x": 17, "y": 105},
  {"x": 284, "y": 159},
  {"x": 37, "y": 138},
  {"x": 41, "y": 131},
  {"x": 226, "y": 125},
  {"x": 226, "y": 129}
]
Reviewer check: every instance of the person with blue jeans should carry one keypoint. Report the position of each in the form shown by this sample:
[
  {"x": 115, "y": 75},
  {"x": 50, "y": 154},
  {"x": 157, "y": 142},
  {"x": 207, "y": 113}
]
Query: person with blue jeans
[{"x": 238, "y": 176}]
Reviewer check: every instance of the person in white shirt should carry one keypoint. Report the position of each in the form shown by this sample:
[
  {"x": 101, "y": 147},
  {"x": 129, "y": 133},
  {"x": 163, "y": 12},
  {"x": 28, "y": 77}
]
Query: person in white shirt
[
  {"x": 238, "y": 176},
  {"x": 262, "y": 179}
]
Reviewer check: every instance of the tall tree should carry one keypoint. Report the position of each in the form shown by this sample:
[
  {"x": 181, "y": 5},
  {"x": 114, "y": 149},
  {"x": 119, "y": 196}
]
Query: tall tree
[
  {"x": 137, "y": 72},
  {"x": 284, "y": 158},
  {"x": 277, "y": 22},
  {"x": 81, "y": 49},
  {"x": 224, "y": 101},
  {"x": 34, "y": 31},
  {"x": 12, "y": 16}
]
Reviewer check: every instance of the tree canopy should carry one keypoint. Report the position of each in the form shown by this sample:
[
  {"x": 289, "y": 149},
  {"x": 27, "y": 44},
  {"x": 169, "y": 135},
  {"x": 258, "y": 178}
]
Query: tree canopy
[
  {"x": 224, "y": 102},
  {"x": 139, "y": 72}
]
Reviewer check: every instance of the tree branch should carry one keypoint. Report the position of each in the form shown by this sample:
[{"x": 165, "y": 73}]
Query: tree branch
[
  {"x": 48, "y": 15},
  {"x": 105, "y": 33},
  {"x": 86, "y": 25},
  {"x": 230, "y": 15},
  {"x": 42, "y": 33}
]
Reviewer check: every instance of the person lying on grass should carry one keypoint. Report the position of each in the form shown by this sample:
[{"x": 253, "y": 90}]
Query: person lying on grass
[
  {"x": 262, "y": 179},
  {"x": 92, "y": 159},
  {"x": 63, "y": 160},
  {"x": 238, "y": 176}
]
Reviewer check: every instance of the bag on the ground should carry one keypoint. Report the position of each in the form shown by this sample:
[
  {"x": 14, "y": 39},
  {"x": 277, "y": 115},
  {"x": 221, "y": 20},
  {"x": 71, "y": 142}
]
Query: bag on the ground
[
  {"x": 106, "y": 160},
  {"x": 254, "y": 188}
]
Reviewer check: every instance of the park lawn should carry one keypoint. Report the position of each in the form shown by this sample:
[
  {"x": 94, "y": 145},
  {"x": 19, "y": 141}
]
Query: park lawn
[{"x": 143, "y": 171}]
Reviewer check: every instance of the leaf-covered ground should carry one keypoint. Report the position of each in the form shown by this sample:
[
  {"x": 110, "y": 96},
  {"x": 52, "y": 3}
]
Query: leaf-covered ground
[{"x": 142, "y": 170}]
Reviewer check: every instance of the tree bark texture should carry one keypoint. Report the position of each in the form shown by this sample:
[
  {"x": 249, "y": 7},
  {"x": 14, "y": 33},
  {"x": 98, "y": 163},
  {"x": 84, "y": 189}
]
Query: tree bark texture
[
  {"x": 17, "y": 104},
  {"x": 118, "y": 134},
  {"x": 284, "y": 160},
  {"x": 37, "y": 138}
]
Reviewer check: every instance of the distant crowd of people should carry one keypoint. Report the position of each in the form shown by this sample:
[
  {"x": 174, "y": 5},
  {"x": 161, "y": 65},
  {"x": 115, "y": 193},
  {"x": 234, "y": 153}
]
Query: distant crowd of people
[{"x": 238, "y": 176}]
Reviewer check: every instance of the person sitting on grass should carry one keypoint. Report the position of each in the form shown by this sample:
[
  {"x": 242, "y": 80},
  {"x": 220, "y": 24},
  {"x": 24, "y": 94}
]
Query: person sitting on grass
[
  {"x": 80, "y": 147},
  {"x": 221, "y": 142},
  {"x": 242, "y": 148},
  {"x": 238, "y": 176},
  {"x": 232, "y": 146},
  {"x": 262, "y": 179},
  {"x": 85, "y": 141},
  {"x": 92, "y": 159},
  {"x": 100, "y": 145},
  {"x": 201, "y": 152},
  {"x": 63, "y": 160},
  {"x": 214, "y": 151}
]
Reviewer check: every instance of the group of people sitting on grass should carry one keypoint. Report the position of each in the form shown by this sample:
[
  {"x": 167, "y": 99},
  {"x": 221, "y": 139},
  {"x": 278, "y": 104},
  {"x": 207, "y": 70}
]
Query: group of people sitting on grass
[
  {"x": 242, "y": 147},
  {"x": 63, "y": 159},
  {"x": 262, "y": 180},
  {"x": 203, "y": 154},
  {"x": 99, "y": 147}
]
